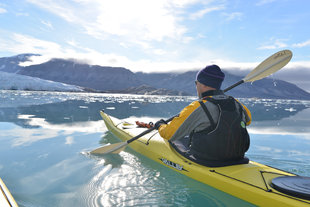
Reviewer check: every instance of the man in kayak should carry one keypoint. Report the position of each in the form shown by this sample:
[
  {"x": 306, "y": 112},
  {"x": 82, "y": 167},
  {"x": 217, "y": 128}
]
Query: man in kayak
[{"x": 211, "y": 130}]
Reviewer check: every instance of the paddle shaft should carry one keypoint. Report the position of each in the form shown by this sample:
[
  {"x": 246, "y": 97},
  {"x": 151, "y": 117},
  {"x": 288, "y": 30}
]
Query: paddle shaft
[
  {"x": 147, "y": 131},
  {"x": 236, "y": 84},
  {"x": 118, "y": 147}
]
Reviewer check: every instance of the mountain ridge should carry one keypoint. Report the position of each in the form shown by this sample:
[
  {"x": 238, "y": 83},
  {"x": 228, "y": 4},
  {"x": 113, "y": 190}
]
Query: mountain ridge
[{"x": 122, "y": 80}]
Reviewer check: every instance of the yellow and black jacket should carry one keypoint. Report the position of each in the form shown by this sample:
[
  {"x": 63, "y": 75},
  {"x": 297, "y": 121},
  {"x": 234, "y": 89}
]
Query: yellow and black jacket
[
  {"x": 192, "y": 117},
  {"x": 193, "y": 122}
]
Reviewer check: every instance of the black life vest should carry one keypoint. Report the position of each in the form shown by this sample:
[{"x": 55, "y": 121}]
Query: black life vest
[{"x": 225, "y": 140}]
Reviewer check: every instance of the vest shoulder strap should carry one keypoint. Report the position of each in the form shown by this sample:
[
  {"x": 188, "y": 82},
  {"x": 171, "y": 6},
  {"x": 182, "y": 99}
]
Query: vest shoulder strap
[{"x": 208, "y": 114}]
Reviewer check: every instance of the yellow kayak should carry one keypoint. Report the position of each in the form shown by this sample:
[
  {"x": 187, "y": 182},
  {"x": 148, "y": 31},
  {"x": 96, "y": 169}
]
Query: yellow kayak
[
  {"x": 6, "y": 199},
  {"x": 255, "y": 183}
]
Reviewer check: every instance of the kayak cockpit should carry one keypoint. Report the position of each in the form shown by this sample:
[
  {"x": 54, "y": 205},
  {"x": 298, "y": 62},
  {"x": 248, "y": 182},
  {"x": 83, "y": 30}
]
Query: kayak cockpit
[
  {"x": 183, "y": 149},
  {"x": 297, "y": 186}
]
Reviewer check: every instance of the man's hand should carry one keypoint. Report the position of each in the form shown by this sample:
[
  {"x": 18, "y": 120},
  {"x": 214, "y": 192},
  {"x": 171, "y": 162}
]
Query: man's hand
[{"x": 159, "y": 123}]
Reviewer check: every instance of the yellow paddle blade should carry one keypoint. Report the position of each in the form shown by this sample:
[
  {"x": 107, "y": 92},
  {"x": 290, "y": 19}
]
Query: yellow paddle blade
[
  {"x": 112, "y": 148},
  {"x": 269, "y": 66}
]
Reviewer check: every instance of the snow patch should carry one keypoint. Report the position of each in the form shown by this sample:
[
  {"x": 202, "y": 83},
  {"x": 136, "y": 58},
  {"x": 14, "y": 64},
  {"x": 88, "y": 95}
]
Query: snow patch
[{"x": 10, "y": 81}]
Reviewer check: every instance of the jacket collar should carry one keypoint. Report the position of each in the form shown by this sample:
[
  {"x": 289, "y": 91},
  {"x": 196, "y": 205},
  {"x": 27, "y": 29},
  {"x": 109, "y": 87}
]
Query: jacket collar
[{"x": 212, "y": 93}]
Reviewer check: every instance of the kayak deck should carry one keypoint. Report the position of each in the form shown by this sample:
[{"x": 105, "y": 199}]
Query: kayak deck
[
  {"x": 6, "y": 199},
  {"x": 250, "y": 182}
]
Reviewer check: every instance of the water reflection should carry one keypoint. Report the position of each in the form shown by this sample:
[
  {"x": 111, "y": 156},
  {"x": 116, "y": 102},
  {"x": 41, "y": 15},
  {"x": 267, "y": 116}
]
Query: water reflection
[
  {"x": 79, "y": 107},
  {"x": 140, "y": 181},
  {"x": 45, "y": 139},
  {"x": 296, "y": 123},
  {"x": 63, "y": 110},
  {"x": 79, "y": 111}
]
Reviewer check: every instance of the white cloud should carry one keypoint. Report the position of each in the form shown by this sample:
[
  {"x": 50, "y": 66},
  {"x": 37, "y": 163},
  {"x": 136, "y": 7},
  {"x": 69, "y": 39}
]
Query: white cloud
[
  {"x": 275, "y": 44},
  {"x": 150, "y": 20},
  {"x": 53, "y": 50},
  {"x": 160, "y": 52},
  {"x": 302, "y": 44},
  {"x": 2, "y": 10},
  {"x": 183, "y": 3},
  {"x": 136, "y": 25},
  {"x": 234, "y": 15},
  {"x": 47, "y": 24},
  {"x": 136, "y": 19},
  {"x": 280, "y": 43},
  {"x": 73, "y": 43},
  {"x": 199, "y": 14},
  {"x": 263, "y": 2},
  {"x": 20, "y": 43},
  {"x": 61, "y": 8}
]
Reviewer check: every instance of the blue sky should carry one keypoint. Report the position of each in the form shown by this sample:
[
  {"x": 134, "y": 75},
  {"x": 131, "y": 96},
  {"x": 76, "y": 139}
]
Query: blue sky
[{"x": 160, "y": 35}]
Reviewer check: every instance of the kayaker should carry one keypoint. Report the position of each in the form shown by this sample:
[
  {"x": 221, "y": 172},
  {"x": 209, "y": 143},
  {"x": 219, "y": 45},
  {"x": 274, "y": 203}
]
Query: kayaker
[{"x": 211, "y": 130}]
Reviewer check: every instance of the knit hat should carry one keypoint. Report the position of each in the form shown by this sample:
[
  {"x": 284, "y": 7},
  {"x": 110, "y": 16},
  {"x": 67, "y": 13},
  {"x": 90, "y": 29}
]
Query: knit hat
[{"x": 211, "y": 76}]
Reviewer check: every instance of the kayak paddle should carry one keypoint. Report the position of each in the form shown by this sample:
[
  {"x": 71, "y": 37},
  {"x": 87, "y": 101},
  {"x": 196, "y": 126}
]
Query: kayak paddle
[
  {"x": 264, "y": 69},
  {"x": 272, "y": 64}
]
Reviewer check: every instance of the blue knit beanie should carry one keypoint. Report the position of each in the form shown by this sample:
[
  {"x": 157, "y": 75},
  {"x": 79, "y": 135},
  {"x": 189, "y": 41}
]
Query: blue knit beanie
[{"x": 211, "y": 76}]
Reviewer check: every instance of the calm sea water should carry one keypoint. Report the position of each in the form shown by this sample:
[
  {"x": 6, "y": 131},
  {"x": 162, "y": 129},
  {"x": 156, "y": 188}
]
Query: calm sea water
[{"x": 45, "y": 137}]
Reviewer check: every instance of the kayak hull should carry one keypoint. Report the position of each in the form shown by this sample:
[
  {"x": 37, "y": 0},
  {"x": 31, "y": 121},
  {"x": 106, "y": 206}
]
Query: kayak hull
[{"x": 250, "y": 182}]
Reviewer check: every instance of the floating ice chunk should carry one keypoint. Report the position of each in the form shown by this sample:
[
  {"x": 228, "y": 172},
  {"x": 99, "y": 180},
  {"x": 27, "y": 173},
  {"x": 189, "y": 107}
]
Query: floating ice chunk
[
  {"x": 290, "y": 109},
  {"x": 111, "y": 108}
]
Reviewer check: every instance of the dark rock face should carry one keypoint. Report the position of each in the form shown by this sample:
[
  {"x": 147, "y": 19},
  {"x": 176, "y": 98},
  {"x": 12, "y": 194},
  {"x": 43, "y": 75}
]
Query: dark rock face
[
  {"x": 95, "y": 77},
  {"x": 121, "y": 80},
  {"x": 265, "y": 88},
  {"x": 149, "y": 90}
]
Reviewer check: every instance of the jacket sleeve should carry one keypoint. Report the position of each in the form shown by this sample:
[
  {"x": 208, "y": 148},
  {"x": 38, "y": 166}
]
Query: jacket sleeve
[
  {"x": 167, "y": 130},
  {"x": 248, "y": 114}
]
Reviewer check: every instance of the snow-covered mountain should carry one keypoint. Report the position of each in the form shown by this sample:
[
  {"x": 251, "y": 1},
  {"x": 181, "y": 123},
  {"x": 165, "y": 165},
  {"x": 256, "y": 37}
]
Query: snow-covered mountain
[
  {"x": 11, "y": 81},
  {"x": 121, "y": 80},
  {"x": 11, "y": 64}
]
